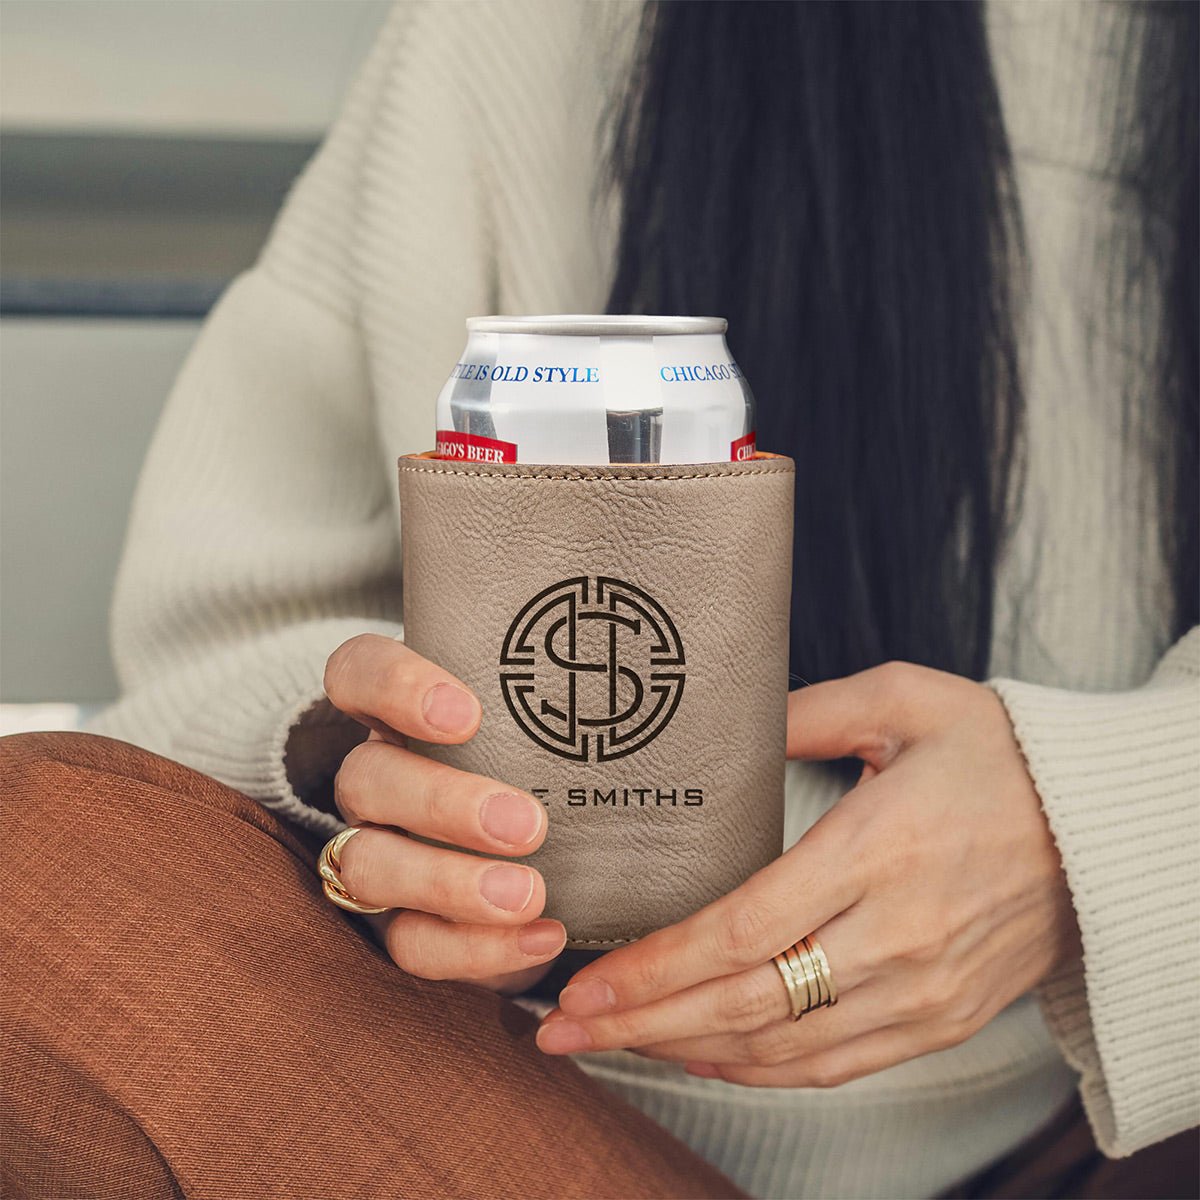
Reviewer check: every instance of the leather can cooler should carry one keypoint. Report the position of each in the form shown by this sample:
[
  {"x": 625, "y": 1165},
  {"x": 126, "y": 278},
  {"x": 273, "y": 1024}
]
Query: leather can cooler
[{"x": 626, "y": 630}]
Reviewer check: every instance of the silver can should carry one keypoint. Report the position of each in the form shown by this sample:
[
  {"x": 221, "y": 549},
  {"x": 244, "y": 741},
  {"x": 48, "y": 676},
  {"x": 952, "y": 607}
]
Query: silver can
[{"x": 596, "y": 389}]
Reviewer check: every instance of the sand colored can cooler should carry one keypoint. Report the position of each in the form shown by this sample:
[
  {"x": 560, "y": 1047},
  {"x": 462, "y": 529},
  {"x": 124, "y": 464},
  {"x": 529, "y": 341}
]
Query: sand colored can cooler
[{"x": 626, "y": 630}]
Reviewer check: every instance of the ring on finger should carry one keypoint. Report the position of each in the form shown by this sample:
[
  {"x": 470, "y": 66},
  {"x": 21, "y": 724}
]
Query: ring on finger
[
  {"x": 807, "y": 977},
  {"x": 329, "y": 866}
]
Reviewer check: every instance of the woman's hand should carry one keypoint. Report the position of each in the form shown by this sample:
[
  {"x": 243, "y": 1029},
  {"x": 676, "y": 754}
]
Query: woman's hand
[
  {"x": 934, "y": 888},
  {"x": 458, "y": 916}
]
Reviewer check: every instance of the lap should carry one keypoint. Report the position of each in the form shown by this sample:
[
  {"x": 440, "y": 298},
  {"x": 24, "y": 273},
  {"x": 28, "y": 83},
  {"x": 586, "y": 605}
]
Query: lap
[{"x": 168, "y": 956}]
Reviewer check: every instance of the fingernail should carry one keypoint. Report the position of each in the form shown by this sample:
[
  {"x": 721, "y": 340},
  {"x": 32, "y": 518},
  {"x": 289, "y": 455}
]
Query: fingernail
[
  {"x": 703, "y": 1069},
  {"x": 450, "y": 709},
  {"x": 510, "y": 817},
  {"x": 506, "y": 887},
  {"x": 540, "y": 937},
  {"x": 587, "y": 998},
  {"x": 563, "y": 1037}
]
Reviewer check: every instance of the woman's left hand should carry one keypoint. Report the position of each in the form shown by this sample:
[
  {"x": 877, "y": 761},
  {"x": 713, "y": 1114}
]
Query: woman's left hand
[{"x": 934, "y": 887}]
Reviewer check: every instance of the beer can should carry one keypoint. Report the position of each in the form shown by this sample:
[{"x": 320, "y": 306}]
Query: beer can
[{"x": 595, "y": 389}]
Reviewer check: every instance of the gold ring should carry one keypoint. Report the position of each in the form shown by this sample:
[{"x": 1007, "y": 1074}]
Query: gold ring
[
  {"x": 329, "y": 866},
  {"x": 798, "y": 1002},
  {"x": 823, "y": 967},
  {"x": 803, "y": 965},
  {"x": 806, "y": 975}
]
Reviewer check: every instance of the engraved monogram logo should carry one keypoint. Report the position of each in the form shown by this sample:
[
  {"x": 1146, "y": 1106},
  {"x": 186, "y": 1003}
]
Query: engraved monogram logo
[{"x": 591, "y": 668}]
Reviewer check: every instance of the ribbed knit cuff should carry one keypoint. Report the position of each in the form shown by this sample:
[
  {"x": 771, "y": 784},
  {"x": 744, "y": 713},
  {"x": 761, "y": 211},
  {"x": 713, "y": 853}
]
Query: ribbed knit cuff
[
  {"x": 1119, "y": 776},
  {"x": 230, "y": 716},
  {"x": 240, "y": 733}
]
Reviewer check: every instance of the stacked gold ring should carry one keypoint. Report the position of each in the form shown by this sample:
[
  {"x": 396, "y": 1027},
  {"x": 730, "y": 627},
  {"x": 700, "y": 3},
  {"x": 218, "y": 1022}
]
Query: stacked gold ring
[
  {"x": 807, "y": 977},
  {"x": 329, "y": 867}
]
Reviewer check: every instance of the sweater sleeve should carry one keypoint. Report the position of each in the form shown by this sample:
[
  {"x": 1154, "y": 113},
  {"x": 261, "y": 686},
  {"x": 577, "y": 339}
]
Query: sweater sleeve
[
  {"x": 1119, "y": 779},
  {"x": 263, "y": 530}
]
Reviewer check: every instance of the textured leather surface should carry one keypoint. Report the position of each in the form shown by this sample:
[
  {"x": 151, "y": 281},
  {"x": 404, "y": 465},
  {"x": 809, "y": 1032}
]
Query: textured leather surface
[{"x": 625, "y": 628}]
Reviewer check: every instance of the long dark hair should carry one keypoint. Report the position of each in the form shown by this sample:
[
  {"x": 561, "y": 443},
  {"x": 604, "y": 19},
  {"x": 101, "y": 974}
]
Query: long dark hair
[{"x": 835, "y": 179}]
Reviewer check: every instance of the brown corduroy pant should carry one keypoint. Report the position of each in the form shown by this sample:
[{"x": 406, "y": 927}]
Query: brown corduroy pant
[{"x": 184, "y": 1014}]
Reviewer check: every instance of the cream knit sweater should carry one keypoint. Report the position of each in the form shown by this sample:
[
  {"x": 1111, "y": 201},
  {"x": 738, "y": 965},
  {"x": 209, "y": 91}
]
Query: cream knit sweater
[{"x": 458, "y": 180}]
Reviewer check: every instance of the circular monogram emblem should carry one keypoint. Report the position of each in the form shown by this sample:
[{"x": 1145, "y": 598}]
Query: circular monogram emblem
[{"x": 591, "y": 668}]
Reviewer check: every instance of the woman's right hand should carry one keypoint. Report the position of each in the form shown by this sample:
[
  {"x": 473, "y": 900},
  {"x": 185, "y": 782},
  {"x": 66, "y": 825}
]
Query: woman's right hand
[{"x": 457, "y": 916}]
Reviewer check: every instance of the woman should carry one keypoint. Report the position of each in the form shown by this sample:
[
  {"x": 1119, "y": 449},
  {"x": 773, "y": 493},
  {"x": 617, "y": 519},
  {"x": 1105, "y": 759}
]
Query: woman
[{"x": 996, "y": 471}]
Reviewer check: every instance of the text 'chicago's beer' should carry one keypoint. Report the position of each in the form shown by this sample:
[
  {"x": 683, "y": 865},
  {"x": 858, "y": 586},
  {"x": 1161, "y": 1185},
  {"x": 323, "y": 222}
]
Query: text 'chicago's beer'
[{"x": 596, "y": 389}]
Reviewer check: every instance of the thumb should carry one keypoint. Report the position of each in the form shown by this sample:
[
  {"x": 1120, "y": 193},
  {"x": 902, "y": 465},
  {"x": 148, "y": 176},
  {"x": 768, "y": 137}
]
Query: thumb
[{"x": 871, "y": 715}]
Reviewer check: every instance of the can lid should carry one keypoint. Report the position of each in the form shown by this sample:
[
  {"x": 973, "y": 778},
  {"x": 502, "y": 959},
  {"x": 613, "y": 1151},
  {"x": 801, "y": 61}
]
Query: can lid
[{"x": 597, "y": 325}]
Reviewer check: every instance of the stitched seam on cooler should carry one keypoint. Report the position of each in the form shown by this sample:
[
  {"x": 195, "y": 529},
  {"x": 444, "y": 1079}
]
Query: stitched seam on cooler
[{"x": 601, "y": 478}]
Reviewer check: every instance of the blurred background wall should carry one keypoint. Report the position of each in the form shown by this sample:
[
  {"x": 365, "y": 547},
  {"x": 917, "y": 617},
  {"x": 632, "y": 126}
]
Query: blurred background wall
[{"x": 145, "y": 146}]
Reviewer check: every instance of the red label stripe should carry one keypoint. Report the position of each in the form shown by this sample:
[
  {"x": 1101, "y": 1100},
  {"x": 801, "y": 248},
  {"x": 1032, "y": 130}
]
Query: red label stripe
[
  {"x": 471, "y": 447},
  {"x": 742, "y": 448}
]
